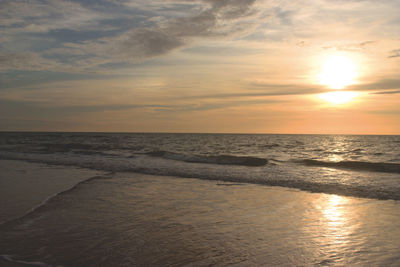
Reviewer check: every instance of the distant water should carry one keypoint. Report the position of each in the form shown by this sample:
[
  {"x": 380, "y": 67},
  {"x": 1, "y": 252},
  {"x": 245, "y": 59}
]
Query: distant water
[{"x": 352, "y": 165}]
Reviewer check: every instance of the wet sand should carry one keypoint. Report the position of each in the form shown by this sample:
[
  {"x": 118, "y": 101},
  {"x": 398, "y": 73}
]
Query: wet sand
[
  {"x": 129, "y": 219},
  {"x": 24, "y": 185}
]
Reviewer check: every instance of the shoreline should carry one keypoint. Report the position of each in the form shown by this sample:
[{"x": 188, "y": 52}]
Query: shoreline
[
  {"x": 161, "y": 220},
  {"x": 26, "y": 186}
]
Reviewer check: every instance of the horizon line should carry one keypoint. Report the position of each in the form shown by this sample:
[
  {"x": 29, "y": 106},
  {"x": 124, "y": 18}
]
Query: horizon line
[{"x": 161, "y": 132}]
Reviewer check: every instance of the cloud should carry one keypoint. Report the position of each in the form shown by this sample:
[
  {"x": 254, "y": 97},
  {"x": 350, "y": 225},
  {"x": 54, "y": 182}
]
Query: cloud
[
  {"x": 381, "y": 85},
  {"x": 148, "y": 42},
  {"x": 394, "y": 53},
  {"x": 24, "y": 61},
  {"x": 285, "y": 89},
  {"x": 351, "y": 47},
  {"x": 388, "y": 92},
  {"x": 140, "y": 43},
  {"x": 261, "y": 90},
  {"x": 42, "y": 16},
  {"x": 220, "y": 19},
  {"x": 155, "y": 31},
  {"x": 232, "y": 9},
  {"x": 21, "y": 107}
]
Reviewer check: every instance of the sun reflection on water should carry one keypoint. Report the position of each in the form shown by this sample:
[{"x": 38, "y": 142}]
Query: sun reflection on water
[
  {"x": 333, "y": 211},
  {"x": 336, "y": 217},
  {"x": 335, "y": 158}
]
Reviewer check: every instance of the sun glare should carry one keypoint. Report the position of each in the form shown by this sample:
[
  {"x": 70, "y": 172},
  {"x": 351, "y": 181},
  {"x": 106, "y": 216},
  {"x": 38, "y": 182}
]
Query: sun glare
[
  {"x": 338, "y": 98},
  {"x": 338, "y": 71}
]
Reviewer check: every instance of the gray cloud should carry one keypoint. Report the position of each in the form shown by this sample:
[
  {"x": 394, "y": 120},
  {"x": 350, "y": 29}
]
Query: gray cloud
[
  {"x": 388, "y": 92},
  {"x": 394, "y": 53},
  {"x": 232, "y": 9},
  {"x": 41, "y": 16},
  {"x": 21, "y": 108},
  {"x": 148, "y": 42},
  {"x": 351, "y": 47},
  {"x": 216, "y": 19},
  {"x": 268, "y": 91},
  {"x": 259, "y": 89},
  {"x": 381, "y": 85},
  {"x": 24, "y": 107},
  {"x": 210, "y": 19},
  {"x": 221, "y": 104},
  {"x": 202, "y": 24},
  {"x": 141, "y": 43},
  {"x": 23, "y": 61},
  {"x": 285, "y": 89}
]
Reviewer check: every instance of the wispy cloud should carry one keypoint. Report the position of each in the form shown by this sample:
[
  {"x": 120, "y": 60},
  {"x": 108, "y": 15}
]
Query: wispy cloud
[
  {"x": 352, "y": 47},
  {"x": 388, "y": 92},
  {"x": 42, "y": 16},
  {"x": 380, "y": 85},
  {"x": 174, "y": 58},
  {"x": 135, "y": 43},
  {"x": 25, "y": 61},
  {"x": 394, "y": 53}
]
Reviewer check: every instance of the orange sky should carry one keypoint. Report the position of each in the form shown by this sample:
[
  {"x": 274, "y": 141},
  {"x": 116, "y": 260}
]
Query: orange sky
[{"x": 201, "y": 66}]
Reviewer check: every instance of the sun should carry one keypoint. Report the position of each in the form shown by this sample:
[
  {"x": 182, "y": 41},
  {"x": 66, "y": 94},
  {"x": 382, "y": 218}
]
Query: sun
[
  {"x": 338, "y": 98},
  {"x": 338, "y": 71}
]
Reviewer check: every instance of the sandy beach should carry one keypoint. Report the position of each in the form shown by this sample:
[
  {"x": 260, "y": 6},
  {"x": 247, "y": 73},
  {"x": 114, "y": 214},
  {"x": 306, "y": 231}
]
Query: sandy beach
[
  {"x": 135, "y": 220},
  {"x": 24, "y": 185}
]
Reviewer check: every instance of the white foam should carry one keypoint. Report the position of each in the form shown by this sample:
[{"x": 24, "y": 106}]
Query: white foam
[
  {"x": 288, "y": 174},
  {"x": 10, "y": 258}
]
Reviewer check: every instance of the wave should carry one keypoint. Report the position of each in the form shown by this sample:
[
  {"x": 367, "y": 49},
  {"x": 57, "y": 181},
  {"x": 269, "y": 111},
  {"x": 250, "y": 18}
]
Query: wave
[
  {"x": 78, "y": 148},
  {"x": 269, "y": 146},
  {"x": 48, "y": 199},
  {"x": 220, "y": 159},
  {"x": 11, "y": 259},
  {"x": 270, "y": 175},
  {"x": 354, "y": 165}
]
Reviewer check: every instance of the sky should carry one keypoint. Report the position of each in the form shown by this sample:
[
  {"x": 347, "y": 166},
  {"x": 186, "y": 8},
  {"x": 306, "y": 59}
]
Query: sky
[{"x": 228, "y": 66}]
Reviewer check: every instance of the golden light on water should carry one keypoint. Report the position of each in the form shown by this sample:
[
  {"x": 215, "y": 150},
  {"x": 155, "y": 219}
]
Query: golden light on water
[
  {"x": 336, "y": 217},
  {"x": 333, "y": 212},
  {"x": 338, "y": 71}
]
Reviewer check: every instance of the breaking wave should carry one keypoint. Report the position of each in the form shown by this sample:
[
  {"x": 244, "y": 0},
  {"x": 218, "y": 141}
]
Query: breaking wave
[
  {"x": 220, "y": 159},
  {"x": 354, "y": 165},
  {"x": 237, "y": 171}
]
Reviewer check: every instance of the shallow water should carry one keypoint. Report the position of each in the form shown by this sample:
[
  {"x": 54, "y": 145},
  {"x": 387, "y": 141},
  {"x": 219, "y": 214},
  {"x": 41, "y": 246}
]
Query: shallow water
[
  {"x": 142, "y": 220},
  {"x": 25, "y": 186}
]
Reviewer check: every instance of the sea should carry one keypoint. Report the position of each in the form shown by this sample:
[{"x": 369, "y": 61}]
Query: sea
[{"x": 169, "y": 199}]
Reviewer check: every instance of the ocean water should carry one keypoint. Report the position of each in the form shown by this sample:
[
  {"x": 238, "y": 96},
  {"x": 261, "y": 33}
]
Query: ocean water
[
  {"x": 204, "y": 199},
  {"x": 362, "y": 166}
]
